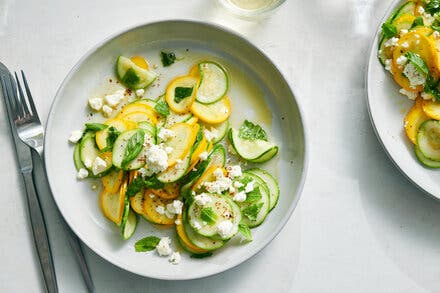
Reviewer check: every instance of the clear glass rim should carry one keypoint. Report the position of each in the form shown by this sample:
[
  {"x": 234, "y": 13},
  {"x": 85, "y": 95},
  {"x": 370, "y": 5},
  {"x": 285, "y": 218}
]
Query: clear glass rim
[{"x": 249, "y": 13}]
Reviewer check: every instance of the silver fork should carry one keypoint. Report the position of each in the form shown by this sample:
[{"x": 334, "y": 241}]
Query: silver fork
[{"x": 29, "y": 129}]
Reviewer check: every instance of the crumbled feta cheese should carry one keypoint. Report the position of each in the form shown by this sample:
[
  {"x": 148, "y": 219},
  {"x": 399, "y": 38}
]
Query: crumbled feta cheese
[
  {"x": 140, "y": 92},
  {"x": 416, "y": 36},
  {"x": 405, "y": 45},
  {"x": 163, "y": 247},
  {"x": 152, "y": 195},
  {"x": 144, "y": 172},
  {"x": 410, "y": 95},
  {"x": 156, "y": 159},
  {"x": 175, "y": 258},
  {"x": 249, "y": 187},
  {"x": 391, "y": 42},
  {"x": 412, "y": 73},
  {"x": 203, "y": 156},
  {"x": 403, "y": 31},
  {"x": 388, "y": 64},
  {"x": 196, "y": 225},
  {"x": 427, "y": 96},
  {"x": 96, "y": 103},
  {"x": 209, "y": 135},
  {"x": 234, "y": 171},
  {"x": 401, "y": 60},
  {"x": 75, "y": 136},
  {"x": 202, "y": 199},
  {"x": 160, "y": 210},
  {"x": 219, "y": 185},
  {"x": 99, "y": 166},
  {"x": 224, "y": 229},
  {"x": 436, "y": 34},
  {"x": 420, "y": 10},
  {"x": 114, "y": 99},
  {"x": 175, "y": 207},
  {"x": 169, "y": 150},
  {"x": 164, "y": 134},
  {"x": 169, "y": 215},
  {"x": 88, "y": 163},
  {"x": 107, "y": 110},
  {"x": 178, "y": 222},
  {"x": 82, "y": 173},
  {"x": 179, "y": 161},
  {"x": 218, "y": 173},
  {"x": 240, "y": 196},
  {"x": 238, "y": 184}
]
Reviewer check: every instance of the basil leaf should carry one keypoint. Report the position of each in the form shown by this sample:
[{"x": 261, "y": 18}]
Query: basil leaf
[
  {"x": 146, "y": 244},
  {"x": 112, "y": 135},
  {"x": 418, "y": 62},
  {"x": 208, "y": 215},
  {"x": 95, "y": 127},
  {"x": 130, "y": 78},
  {"x": 251, "y": 131},
  {"x": 254, "y": 195},
  {"x": 245, "y": 231},
  {"x": 134, "y": 187},
  {"x": 133, "y": 148},
  {"x": 181, "y": 93},
  {"x": 433, "y": 6},
  {"x": 251, "y": 212},
  {"x": 161, "y": 107},
  {"x": 167, "y": 58},
  {"x": 201, "y": 255},
  {"x": 153, "y": 183},
  {"x": 389, "y": 30},
  {"x": 417, "y": 22}
]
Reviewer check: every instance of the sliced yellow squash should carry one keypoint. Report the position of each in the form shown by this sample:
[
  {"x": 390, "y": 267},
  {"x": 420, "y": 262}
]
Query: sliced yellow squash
[
  {"x": 212, "y": 113},
  {"x": 194, "y": 71},
  {"x": 181, "y": 93},
  {"x": 203, "y": 145},
  {"x": 181, "y": 142},
  {"x": 140, "y": 61},
  {"x": 112, "y": 204},
  {"x": 413, "y": 119},
  {"x": 192, "y": 121},
  {"x": 139, "y": 117},
  {"x": 120, "y": 125},
  {"x": 164, "y": 194},
  {"x": 184, "y": 238},
  {"x": 431, "y": 109},
  {"x": 137, "y": 203},
  {"x": 152, "y": 207},
  {"x": 113, "y": 181}
]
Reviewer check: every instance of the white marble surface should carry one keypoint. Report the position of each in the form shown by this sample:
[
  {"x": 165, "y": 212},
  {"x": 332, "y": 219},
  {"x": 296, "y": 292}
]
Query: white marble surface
[{"x": 360, "y": 225}]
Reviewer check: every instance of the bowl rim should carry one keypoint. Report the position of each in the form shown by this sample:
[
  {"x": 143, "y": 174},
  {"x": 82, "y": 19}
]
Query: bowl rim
[{"x": 304, "y": 169}]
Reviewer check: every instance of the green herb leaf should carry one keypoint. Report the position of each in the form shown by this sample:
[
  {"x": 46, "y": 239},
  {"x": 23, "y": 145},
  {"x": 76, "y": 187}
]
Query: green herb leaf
[
  {"x": 251, "y": 131},
  {"x": 433, "y": 6},
  {"x": 181, "y": 93},
  {"x": 146, "y": 244},
  {"x": 417, "y": 22},
  {"x": 95, "y": 127},
  {"x": 245, "y": 231},
  {"x": 436, "y": 27},
  {"x": 130, "y": 78},
  {"x": 153, "y": 183},
  {"x": 251, "y": 212},
  {"x": 161, "y": 107},
  {"x": 112, "y": 135},
  {"x": 418, "y": 62},
  {"x": 431, "y": 87},
  {"x": 133, "y": 148},
  {"x": 134, "y": 187},
  {"x": 254, "y": 195},
  {"x": 389, "y": 30},
  {"x": 201, "y": 255},
  {"x": 167, "y": 58},
  {"x": 208, "y": 215}
]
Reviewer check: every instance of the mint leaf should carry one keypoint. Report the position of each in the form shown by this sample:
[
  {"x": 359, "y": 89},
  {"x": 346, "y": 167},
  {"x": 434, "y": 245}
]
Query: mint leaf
[
  {"x": 207, "y": 215},
  {"x": 161, "y": 107},
  {"x": 181, "y": 93},
  {"x": 417, "y": 22},
  {"x": 431, "y": 87},
  {"x": 389, "y": 30},
  {"x": 153, "y": 183},
  {"x": 112, "y": 135},
  {"x": 95, "y": 127},
  {"x": 433, "y": 6},
  {"x": 146, "y": 244},
  {"x": 251, "y": 131},
  {"x": 133, "y": 148},
  {"x": 252, "y": 211},
  {"x": 436, "y": 27},
  {"x": 418, "y": 62},
  {"x": 130, "y": 78},
  {"x": 201, "y": 255},
  {"x": 167, "y": 58},
  {"x": 134, "y": 187},
  {"x": 245, "y": 231},
  {"x": 254, "y": 195}
]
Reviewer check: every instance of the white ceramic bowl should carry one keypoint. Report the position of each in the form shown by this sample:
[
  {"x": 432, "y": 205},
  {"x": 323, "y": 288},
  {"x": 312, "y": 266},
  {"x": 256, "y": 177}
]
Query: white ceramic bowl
[{"x": 78, "y": 203}]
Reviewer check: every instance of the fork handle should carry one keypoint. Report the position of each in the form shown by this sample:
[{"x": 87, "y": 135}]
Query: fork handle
[{"x": 40, "y": 234}]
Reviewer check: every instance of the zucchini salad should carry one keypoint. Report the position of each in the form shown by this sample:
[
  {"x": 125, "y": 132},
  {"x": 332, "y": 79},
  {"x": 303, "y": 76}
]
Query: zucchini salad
[
  {"x": 174, "y": 160},
  {"x": 409, "y": 48}
]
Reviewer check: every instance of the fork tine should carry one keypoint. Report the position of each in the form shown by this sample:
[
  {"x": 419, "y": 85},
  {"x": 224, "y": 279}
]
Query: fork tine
[
  {"x": 10, "y": 94},
  {"x": 29, "y": 95},
  {"x": 22, "y": 105}
]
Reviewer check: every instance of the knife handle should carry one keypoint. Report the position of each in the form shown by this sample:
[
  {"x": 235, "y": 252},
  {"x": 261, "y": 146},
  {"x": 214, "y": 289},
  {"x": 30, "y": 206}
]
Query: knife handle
[{"x": 40, "y": 234}]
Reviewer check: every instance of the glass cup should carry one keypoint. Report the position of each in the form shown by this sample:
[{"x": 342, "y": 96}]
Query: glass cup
[{"x": 251, "y": 8}]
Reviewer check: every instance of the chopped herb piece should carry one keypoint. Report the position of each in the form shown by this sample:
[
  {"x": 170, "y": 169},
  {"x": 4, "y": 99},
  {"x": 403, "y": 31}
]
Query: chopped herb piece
[
  {"x": 418, "y": 62},
  {"x": 433, "y": 6},
  {"x": 245, "y": 231},
  {"x": 181, "y": 93},
  {"x": 167, "y": 58},
  {"x": 431, "y": 87},
  {"x": 417, "y": 22},
  {"x": 436, "y": 27},
  {"x": 133, "y": 148},
  {"x": 254, "y": 195},
  {"x": 251, "y": 131},
  {"x": 130, "y": 78},
  {"x": 161, "y": 107},
  {"x": 134, "y": 187},
  {"x": 208, "y": 215},
  {"x": 201, "y": 255},
  {"x": 389, "y": 30},
  {"x": 146, "y": 244},
  {"x": 251, "y": 212},
  {"x": 112, "y": 135},
  {"x": 95, "y": 127},
  {"x": 153, "y": 183}
]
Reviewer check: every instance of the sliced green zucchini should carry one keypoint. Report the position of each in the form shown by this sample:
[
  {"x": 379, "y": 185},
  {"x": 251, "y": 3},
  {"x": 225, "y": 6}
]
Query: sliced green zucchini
[
  {"x": 148, "y": 127},
  {"x": 176, "y": 172},
  {"x": 428, "y": 139},
  {"x": 272, "y": 184},
  {"x": 132, "y": 75},
  {"x": 129, "y": 221},
  {"x": 406, "y": 8},
  {"x": 89, "y": 152},
  {"x": 214, "y": 82},
  {"x": 174, "y": 118},
  {"x": 218, "y": 130},
  {"x": 120, "y": 146},
  {"x": 200, "y": 241},
  {"x": 256, "y": 150},
  {"x": 424, "y": 160},
  {"x": 77, "y": 158}
]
